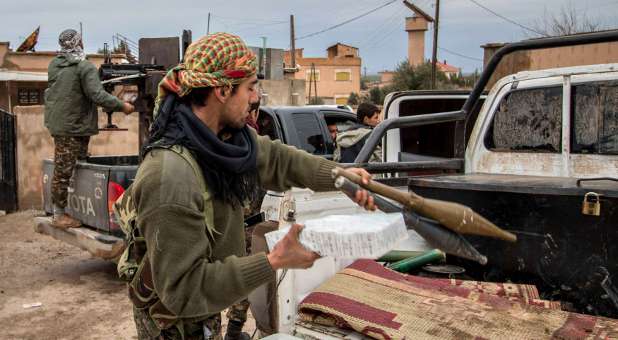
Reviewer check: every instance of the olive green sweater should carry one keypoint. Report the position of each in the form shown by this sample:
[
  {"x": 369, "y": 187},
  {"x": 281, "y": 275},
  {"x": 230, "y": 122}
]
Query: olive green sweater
[{"x": 193, "y": 276}]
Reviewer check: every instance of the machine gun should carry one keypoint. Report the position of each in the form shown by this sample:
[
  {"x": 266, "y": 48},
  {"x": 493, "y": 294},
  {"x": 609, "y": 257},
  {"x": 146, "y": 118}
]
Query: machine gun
[{"x": 146, "y": 77}]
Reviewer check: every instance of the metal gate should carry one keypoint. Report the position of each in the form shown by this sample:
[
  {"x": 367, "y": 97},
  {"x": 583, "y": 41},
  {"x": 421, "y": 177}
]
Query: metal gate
[{"x": 8, "y": 176}]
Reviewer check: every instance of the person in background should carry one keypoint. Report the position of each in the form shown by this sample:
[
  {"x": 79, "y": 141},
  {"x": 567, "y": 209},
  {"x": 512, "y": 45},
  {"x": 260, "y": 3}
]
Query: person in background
[
  {"x": 71, "y": 116},
  {"x": 332, "y": 129},
  {"x": 350, "y": 142}
]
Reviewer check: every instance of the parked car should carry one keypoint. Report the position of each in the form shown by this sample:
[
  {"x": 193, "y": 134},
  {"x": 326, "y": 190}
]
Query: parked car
[{"x": 305, "y": 127}]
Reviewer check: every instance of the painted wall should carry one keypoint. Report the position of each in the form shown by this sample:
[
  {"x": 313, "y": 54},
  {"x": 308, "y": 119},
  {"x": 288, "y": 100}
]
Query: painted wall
[
  {"x": 34, "y": 144},
  {"x": 327, "y": 86},
  {"x": 38, "y": 61},
  {"x": 416, "y": 27},
  {"x": 9, "y": 92}
]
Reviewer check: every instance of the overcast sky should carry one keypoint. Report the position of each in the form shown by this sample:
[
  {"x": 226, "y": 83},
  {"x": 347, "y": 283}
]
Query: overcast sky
[{"x": 464, "y": 26}]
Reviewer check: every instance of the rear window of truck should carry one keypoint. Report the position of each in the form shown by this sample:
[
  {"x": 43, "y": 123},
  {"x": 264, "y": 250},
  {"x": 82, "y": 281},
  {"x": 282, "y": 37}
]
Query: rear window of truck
[
  {"x": 527, "y": 120},
  {"x": 594, "y": 117}
]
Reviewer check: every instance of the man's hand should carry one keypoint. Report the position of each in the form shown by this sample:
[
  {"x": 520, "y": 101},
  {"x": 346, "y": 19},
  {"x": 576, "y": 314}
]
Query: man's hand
[
  {"x": 128, "y": 108},
  {"x": 290, "y": 254},
  {"x": 362, "y": 197}
]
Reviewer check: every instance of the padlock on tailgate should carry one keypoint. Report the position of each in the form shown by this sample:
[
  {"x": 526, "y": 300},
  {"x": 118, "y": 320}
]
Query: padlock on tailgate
[{"x": 591, "y": 204}]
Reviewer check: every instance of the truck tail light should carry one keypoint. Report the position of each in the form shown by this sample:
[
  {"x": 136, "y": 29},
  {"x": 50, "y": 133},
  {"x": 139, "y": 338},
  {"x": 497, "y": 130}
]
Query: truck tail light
[{"x": 114, "y": 191}]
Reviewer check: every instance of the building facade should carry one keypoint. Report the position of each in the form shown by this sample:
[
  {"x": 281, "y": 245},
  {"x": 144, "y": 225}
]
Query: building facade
[
  {"x": 23, "y": 75},
  {"x": 333, "y": 78}
]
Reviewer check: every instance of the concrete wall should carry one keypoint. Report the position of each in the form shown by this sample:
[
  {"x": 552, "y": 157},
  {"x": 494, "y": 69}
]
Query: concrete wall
[
  {"x": 327, "y": 86},
  {"x": 416, "y": 27},
  {"x": 274, "y": 62},
  {"x": 9, "y": 92},
  {"x": 34, "y": 144},
  {"x": 341, "y": 50},
  {"x": 38, "y": 61},
  {"x": 283, "y": 92},
  {"x": 4, "y": 49},
  {"x": 550, "y": 58}
]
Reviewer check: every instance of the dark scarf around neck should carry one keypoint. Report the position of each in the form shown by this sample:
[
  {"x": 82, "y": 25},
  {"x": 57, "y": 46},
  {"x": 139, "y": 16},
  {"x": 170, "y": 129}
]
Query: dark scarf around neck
[{"x": 229, "y": 166}]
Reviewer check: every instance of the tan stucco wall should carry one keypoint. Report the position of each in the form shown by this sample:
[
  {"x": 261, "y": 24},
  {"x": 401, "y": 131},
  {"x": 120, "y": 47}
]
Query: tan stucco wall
[
  {"x": 34, "y": 144},
  {"x": 327, "y": 85},
  {"x": 4, "y": 49},
  {"x": 416, "y": 47},
  {"x": 551, "y": 58},
  {"x": 38, "y": 61},
  {"x": 416, "y": 27}
]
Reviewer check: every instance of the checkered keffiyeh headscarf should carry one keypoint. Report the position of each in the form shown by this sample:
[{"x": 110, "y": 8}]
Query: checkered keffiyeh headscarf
[
  {"x": 71, "y": 44},
  {"x": 219, "y": 59}
]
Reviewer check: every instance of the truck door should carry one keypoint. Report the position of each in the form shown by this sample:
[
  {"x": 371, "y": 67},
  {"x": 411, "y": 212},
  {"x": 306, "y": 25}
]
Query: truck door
[
  {"x": 268, "y": 125},
  {"x": 304, "y": 131},
  {"x": 341, "y": 121}
]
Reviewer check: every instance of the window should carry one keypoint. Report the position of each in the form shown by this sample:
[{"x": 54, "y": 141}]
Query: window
[
  {"x": 29, "y": 96},
  {"x": 309, "y": 133},
  {"x": 341, "y": 100},
  {"x": 316, "y": 75},
  {"x": 594, "y": 118},
  {"x": 267, "y": 126},
  {"x": 341, "y": 124},
  {"x": 343, "y": 75},
  {"x": 528, "y": 120}
]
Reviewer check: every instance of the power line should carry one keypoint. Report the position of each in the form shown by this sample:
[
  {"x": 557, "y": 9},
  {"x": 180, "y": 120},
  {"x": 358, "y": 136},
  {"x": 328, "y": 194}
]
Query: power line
[
  {"x": 346, "y": 22},
  {"x": 507, "y": 19},
  {"x": 377, "y": 32},
  {"x": 459, "y": 54}
]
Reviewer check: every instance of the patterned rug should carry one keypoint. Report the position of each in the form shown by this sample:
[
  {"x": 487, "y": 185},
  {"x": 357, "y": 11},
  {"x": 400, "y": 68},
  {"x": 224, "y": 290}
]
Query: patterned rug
[{"x": 385, "y": 304}]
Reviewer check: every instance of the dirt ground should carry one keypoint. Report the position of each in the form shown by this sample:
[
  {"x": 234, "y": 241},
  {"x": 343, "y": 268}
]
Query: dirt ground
[{"x": 81, "y": 296}]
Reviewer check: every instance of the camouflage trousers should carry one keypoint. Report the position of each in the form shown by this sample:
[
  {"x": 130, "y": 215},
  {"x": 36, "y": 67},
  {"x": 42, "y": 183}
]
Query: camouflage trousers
[
  {"x": 209, "y": 329},
  {"x": 68, "y": 150},
  {"x": 238, "y": 312}
]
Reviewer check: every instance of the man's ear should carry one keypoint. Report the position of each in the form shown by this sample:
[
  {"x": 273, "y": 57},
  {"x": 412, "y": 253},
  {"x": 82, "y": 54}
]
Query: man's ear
[{"x": 221, "y": 94}]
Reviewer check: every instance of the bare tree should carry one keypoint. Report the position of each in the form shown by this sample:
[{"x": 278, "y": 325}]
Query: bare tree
[{"x": 565, "y": 22}]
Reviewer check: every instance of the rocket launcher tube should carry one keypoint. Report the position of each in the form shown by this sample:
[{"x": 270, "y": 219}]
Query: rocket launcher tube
[
  {"x": 454, "y": 216},
  {"x": 439, "y": 237}
]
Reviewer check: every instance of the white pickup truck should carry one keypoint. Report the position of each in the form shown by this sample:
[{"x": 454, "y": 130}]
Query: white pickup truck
[{"x": 544, "y": 142}]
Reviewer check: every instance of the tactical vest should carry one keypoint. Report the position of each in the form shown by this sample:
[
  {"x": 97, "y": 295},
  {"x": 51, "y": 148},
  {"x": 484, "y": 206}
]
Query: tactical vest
[{"x": 134, "y": 265}]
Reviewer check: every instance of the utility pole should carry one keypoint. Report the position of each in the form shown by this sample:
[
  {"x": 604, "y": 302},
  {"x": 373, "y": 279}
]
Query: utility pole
[
  {"x": 434, "y": 55},
  {"x": 81, "y": 31},
  {"x": 292, "y": 42},
  {"x": 208, "y": 27},
  {"x": 263, "y": 66},
  {"x": 365, "y": 69}
]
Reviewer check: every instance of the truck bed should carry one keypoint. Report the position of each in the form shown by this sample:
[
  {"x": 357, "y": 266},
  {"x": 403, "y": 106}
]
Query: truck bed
[
  {"x": 568, "y": 255},
  {"x": 518, "y": 184}
]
